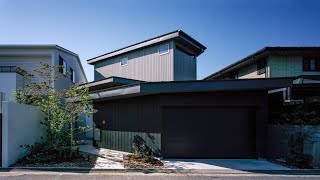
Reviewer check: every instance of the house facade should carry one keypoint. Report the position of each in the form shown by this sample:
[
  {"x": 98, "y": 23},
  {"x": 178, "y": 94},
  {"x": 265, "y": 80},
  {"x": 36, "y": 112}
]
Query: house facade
[
  {"x": 273, "y": 62},
  {"x": 29, "y": 58},
  {"x": 150, "y": 90},
  {"x": 169, "y": 57}
]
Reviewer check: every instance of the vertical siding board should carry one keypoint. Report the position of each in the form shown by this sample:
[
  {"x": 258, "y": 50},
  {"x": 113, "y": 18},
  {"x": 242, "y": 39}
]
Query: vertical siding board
[{"x": 144, "y": 64}]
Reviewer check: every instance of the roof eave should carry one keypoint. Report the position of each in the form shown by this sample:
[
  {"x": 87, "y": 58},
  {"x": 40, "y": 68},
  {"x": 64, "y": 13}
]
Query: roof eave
[{"x": 149, "y": 42}]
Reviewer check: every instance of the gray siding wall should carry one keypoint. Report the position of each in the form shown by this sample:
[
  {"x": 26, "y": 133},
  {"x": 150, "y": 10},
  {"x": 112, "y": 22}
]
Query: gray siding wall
[
  {"x": 185, "y": 66},
  {"x": 10, "y": 82},
  {"x": 29, "y": 63},
  {"x": 123, "y": 141},
  {"x": 145, "y": 64},
  {"x": 72, "y": 62}
]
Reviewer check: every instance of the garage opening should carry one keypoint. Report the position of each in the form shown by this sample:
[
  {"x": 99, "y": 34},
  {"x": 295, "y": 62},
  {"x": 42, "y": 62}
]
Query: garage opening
[{"x": 208, "y": 132}]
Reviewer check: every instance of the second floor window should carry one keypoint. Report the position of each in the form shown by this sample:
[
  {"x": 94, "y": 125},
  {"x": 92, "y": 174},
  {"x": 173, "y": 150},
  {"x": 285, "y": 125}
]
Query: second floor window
[
  {"x": 72, "y": 76},
  {"x": 311, "y": 64},
  {"x": 164, "y": 49},
  {"x": 124, "y": 61},
  {"x": 261, "y": 66},
  {"x": 63, "y": 64}
]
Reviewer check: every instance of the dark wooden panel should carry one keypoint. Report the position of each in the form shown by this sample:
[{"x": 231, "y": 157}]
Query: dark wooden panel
[{"x": 208, "y": 132}]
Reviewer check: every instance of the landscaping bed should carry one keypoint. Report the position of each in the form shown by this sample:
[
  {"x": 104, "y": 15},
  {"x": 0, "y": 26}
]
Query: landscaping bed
[
  {"x": 81, "y": 160},
  {"x": 133, "y": 161}
]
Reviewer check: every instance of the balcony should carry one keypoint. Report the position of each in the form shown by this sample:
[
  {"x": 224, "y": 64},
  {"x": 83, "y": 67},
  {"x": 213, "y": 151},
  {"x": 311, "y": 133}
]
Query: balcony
[{"x": 8, "y": 69}]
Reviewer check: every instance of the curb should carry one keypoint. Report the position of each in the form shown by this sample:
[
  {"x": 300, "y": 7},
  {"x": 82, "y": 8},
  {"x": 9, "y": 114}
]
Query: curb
[{"x": 162, "y": 171}]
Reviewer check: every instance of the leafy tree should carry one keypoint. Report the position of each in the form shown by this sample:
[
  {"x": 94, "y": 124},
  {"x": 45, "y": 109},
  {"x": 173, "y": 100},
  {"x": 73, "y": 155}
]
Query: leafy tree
[{"x": 60, "y": 107}]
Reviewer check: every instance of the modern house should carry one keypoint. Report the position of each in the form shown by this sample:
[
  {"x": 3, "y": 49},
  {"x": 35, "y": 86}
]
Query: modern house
[
  {"x": 150, "y": 89},
  {"x": 273, "y": 62},
  {"x": 29, "y": 57}
]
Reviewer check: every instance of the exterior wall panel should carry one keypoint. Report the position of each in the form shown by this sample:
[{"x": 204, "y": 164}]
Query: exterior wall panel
[
  {"x": 72, "y": 62},
  {"x": 145, "y": 64},
  {"x": 123, "y": 141},
  {"x": 250, "y": 72},
  {"x": 287, "y": 66},
  {"x": 145, "y": 114},
  {"x": 185, "y": 66},
  {"x": 29, "y": 63}
]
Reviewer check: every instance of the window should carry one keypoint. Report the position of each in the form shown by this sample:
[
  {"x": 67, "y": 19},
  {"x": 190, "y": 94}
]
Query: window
[
  {"x": 72, "y": 76},
  {"x": 164, "y": 49},
  {"x": 63, "y": 65},
  {"x": 124, "y": 61},
  {"x": 311, "y": 64},
  {"x": 261, "y": 67}
]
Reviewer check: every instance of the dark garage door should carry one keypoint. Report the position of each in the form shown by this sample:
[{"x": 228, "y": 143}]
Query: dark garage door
[{"x": 208, "y": 132}]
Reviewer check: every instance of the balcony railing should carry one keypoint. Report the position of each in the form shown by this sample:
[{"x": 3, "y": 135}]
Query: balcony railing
[{"x": 8, "y": 69}]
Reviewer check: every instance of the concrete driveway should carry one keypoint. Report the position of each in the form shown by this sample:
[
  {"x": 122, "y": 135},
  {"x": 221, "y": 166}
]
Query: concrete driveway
[{"x": 222, "y": 164}]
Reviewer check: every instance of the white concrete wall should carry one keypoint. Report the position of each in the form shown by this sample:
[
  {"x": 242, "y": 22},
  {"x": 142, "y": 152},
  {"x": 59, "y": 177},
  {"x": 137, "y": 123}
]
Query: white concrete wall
[
  {"x": 10, "y": 82},
  {"x": 20, "y": 125}
]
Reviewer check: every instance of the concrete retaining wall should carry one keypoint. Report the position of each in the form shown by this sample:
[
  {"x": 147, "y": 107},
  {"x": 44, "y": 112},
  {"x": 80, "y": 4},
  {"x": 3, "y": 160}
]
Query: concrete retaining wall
[{"x": 20, "y": 125}]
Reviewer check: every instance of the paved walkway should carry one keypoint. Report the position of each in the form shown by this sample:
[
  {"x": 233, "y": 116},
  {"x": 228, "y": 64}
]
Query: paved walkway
[
  {"x": 108, "y": 159},
  {"x": 112, "y": 159},
  {"x": 222, "y": 164}
]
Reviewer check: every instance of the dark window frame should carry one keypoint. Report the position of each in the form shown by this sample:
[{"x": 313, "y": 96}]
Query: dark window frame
[
  {"x": 261, "y": 66},
  {"x": 124, "y": 61},
  {"x": 72, "y": 75},
  {"x": 306, "y": 63},
  {"x": 164, "y": 51},
  {"x": 62, "y": 69}
]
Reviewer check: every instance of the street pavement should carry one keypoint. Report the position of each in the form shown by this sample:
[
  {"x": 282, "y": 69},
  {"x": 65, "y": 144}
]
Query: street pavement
[{"x": 145, "y": 176}]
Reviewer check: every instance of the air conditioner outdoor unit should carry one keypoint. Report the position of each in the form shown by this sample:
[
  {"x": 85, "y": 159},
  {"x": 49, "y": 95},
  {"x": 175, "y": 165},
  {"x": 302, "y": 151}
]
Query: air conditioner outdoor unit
[{"x": 293, "y": 101}]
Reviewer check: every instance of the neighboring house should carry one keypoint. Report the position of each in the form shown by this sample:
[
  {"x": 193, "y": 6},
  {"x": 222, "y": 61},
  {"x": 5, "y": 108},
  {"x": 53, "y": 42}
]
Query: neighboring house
[
  {"x": 19, "y": 123},
  {"x": 169, "y": 57},
  {"x": 150, "y": 89},
  {"x": 29, "y": 57},
  {"x": 273, "y": 62}
]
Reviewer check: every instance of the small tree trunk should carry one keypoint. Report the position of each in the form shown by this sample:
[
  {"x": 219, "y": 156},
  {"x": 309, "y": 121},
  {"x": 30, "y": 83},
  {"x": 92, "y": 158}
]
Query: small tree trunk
[{"x": 71, "y": 137}]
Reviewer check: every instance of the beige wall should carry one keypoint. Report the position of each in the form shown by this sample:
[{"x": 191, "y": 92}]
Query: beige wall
[
  {"x": 250, "y": 72},
  {"x": 277, "y": 66},
  {"x": 145, "y": 64}
]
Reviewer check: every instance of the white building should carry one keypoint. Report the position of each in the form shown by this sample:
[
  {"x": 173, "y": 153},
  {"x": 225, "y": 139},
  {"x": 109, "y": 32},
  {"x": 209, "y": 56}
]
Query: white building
[{"x": 29, "y": 57}]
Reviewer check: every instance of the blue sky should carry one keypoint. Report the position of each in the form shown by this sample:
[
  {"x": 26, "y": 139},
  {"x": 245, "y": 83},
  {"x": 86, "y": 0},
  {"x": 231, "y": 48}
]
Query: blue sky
[{"x": 230, "y": 29}]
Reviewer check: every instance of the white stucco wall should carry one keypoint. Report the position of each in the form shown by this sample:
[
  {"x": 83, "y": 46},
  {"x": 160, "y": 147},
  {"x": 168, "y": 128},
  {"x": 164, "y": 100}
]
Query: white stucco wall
[
  {"x": 20, "y": 125},
  {"x": 10, "y": 82}
]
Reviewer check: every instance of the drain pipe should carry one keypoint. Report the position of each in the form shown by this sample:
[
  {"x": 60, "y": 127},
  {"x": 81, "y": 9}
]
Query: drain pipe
[{"x": 287, "y": 95}]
